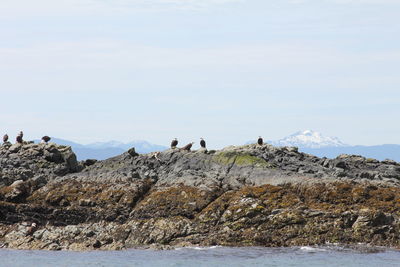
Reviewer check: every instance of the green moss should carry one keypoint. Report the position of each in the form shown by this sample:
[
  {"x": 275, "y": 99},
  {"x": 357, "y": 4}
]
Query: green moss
[
  {"x": 246, "y": 159},
  {"x": 240, "y": 159},
  {"x": 224, "y": 158}
]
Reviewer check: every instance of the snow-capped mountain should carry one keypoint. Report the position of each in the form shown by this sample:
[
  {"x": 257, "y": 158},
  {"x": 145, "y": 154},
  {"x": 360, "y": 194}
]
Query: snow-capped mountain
[{"x": 309, "y": 139}]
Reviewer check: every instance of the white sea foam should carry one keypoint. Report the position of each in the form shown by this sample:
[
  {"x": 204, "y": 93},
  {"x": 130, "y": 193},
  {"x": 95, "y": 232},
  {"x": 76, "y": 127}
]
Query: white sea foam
[
  {"x": 199, "y": 248},
  {"x": 312, "y": 249}
]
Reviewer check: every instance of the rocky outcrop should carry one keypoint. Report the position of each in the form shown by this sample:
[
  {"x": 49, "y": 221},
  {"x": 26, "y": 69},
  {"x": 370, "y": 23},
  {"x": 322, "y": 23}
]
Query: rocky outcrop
[
  {"x": 249, "y": 195},
  {"x": 234, "y": 167},
  {"x": 31, "y": 161}
]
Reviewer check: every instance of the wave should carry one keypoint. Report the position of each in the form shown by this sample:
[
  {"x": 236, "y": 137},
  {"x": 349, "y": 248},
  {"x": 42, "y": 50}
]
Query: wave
[
  {"x": 312, "y": 249},
  {"x": 199, "y": 248}
]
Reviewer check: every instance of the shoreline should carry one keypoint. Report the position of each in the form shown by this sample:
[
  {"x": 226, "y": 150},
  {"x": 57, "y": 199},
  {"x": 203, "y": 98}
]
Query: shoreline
[{"x": 360, "y": 248}]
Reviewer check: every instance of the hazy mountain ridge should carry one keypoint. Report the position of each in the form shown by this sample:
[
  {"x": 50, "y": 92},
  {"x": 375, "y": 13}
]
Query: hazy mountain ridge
[
  {"x": 380, "y": 152},
  {"x": 141, "y": 146},
  {"x": 307, "y": 141},
  {"x": 105, "y": 150}
]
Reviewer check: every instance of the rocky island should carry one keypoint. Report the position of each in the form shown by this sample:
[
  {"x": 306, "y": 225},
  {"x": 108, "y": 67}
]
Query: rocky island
[{"x": 239, "y": 196}]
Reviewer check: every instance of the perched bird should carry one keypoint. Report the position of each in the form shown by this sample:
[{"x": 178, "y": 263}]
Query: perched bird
[
  {"x": 188, "y": 146},
  {"x": 19, "y": 139},
  {"x": 174, "y": 143},
  {"x": 260, "y": 141},
  {"x": 31, "y": 229},
  {"x": 5, "y": 138},
  {"x": 202, "y": 143},
  {"x": 46, "y": 139}
]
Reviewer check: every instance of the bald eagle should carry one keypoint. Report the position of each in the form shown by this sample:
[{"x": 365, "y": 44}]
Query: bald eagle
[
  {"x": 5, "y": 138},
  {"x": 202, "y": 143},
  {"x": 46, "y": 139},
  {"x": 19, "y": 139},
  {"x": 174, "y": 143},
  {"x": 188, "y": 147},
  {"x": 260, "y": 141},
  {"x": 31, "y": 229}
]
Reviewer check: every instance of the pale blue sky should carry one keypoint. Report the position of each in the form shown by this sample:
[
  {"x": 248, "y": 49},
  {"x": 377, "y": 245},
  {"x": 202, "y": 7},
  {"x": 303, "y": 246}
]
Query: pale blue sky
[{"x": 225, "y": 70}]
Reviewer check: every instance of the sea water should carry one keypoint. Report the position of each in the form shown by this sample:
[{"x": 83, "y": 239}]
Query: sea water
[{"x": 208, "y": 256}]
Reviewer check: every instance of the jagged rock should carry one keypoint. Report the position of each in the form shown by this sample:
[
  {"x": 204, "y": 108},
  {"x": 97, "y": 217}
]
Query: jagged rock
[
  {"x": 15, "y": 148},
  {"x": 234, "y": 167},
  {"x": 247, "y": 195},
  {"x": 70, "y": 159},
  {"x": 53, "y": 155},
  {"x": 16, "y": 192},
  {"x": 54, "y": 246},
  {"x": 28, "y": 161},
  {"x": 7, "y": 144}
]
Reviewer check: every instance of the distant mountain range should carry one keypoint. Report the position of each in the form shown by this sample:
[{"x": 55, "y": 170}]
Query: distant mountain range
[
  {"x": 307, "y": 141},
  {"x": 105, "y": 150},
  {"x": 380, "y": 152},
  {"x": 141, "y": 146},
  {"x": 315, "y": 143}
]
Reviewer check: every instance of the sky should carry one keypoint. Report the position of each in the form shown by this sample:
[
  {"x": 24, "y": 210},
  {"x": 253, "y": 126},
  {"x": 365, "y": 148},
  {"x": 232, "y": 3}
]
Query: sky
[{"x": 225, "y": 70}]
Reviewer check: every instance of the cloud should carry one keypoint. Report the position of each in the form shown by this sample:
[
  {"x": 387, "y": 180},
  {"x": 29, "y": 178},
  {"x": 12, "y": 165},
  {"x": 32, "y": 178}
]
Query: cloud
[
  {"x": 344, "y": 2},
  {"x": 163, "y": 3},
  {"x": 26, "y": 8},
  {"x": 17, "y": 8},
  {"x": 365, "y": 1},
  {"x": 100, "y": 65}
]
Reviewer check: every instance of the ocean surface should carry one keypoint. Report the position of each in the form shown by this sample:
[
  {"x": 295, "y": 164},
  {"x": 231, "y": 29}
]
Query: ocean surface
[{"x": 208, "y": 256}]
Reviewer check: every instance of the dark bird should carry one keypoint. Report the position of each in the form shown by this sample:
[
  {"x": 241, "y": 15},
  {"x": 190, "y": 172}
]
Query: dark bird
[
  {"x": 19, "y": 139},
  {"x": 5, "y": 138},
  {"x": 46, "y": 139},
  {"x": 31, "y": 229},
  {"x": 260, "y": 141},
  {"x": 188, "y": 147},
  {"x": 202, "y": 143},
  {"x": 21, "y": 134},
  {"x": 174, "y": 143}
]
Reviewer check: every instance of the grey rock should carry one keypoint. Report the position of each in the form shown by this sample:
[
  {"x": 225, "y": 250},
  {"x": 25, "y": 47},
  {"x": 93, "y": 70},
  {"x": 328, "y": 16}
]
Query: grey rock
[
  {"x": 15, "y": 148},
  {"x": 35, "y": 161},
  {"x": 234, "y": 167},
  {"x": 54, "y": 247}
]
